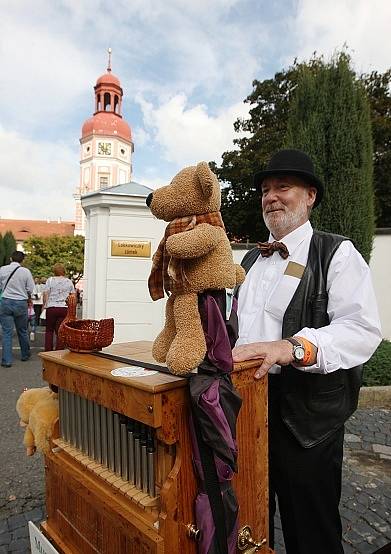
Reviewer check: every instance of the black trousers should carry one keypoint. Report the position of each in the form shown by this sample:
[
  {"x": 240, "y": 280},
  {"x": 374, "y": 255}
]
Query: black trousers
[{"x": 307, "y": 484}]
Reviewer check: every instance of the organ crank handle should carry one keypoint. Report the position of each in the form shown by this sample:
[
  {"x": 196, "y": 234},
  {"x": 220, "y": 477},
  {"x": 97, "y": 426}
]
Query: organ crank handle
[{"x": 246, "y": 542}]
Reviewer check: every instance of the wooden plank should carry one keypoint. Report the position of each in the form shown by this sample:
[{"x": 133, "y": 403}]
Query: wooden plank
[
  {"x": 101, "y": 367},
  {"x": 82, "y": 512},
  {"x": 142, "y": 405},
  {"x": 55, "y": 539},
  {"x": 251, "y": 481}
]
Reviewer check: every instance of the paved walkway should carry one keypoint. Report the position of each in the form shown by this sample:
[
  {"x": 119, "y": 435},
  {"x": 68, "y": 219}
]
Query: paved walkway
[
  {"x": 366, "y": 490},
  {"x": 366, "y": 494}
]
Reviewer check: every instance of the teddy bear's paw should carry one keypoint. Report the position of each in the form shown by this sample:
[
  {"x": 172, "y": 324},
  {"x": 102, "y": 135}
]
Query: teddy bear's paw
[
  {"x": 159, "y": 353},
  {"x": 30, "y": 450},
  {"x": 185, "y": 355},
  {"x": 161, "y": 346}
]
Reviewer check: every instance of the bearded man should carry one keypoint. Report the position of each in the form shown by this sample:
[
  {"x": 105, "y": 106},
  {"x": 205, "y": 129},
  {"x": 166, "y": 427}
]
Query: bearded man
[{"x": 308, "y": 309}]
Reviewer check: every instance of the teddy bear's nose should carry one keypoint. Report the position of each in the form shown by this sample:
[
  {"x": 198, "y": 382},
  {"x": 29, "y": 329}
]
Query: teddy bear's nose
[{"x": 149, "y": 199}]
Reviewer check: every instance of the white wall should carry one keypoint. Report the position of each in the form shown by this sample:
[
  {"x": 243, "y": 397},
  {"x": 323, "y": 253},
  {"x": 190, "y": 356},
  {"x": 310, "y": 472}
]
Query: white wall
[
  {"x": 380, "y": 265},
  {"x": 117, "y": 286}
]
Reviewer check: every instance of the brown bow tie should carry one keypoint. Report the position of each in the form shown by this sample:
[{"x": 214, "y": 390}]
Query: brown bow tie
[{"x": 267, "y": 249}]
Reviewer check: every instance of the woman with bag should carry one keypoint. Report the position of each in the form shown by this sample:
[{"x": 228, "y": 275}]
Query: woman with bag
[{"x": 55, "y": 293}]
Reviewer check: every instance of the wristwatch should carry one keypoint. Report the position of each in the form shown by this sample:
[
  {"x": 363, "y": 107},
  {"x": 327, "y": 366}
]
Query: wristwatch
[{"x": 298, "y": 350}]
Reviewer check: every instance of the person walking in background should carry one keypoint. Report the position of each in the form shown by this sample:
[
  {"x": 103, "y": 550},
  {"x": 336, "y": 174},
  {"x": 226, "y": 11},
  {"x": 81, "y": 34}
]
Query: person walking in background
[
  {"x": 37, "y": 298},
  {"x": 55, "y": 293},
  {"x": 31, "y": 321},
  {"x": 42, "y": 315},
  {"x": 17, "y": 285}
]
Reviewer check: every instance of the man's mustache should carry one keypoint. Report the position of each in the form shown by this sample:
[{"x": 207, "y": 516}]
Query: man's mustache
[{"x": 273, "y": 208}]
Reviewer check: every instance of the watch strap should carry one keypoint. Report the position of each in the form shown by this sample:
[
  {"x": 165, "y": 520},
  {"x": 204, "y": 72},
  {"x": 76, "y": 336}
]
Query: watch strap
[{"x": 294, "y": 341}]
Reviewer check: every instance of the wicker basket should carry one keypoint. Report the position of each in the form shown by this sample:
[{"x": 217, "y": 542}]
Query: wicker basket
[{"x": 85, "y": 335}]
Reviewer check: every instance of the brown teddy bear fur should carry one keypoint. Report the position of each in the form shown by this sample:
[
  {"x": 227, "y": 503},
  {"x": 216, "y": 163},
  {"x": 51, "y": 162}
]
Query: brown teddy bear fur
[
  {"x": 38, "y": 411},
  {"x": 207, "y": 263}
]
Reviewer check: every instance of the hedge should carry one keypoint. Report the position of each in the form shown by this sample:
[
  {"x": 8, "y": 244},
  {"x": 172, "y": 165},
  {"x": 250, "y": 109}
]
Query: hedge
[{"x": 377, "y": 370}]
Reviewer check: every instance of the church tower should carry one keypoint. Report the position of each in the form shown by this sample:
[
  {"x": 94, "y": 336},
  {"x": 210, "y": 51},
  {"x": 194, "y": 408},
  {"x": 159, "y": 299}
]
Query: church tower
[{"x": 106, "y": 144}]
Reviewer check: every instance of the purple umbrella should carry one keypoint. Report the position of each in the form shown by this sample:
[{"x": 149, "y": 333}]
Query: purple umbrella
[{"x": 215, "y": 408}]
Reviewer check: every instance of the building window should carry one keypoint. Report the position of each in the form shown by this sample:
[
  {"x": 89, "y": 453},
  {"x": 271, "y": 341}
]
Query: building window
[
  {"x": 107, "y": 102},
  {"x": 103, "y": 181}
]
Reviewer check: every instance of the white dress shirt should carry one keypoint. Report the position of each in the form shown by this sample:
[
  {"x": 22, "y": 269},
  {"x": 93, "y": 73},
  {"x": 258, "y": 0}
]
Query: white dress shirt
[
  {"x": 21, "y": 284},
  {"x": 354, "y": 331}
]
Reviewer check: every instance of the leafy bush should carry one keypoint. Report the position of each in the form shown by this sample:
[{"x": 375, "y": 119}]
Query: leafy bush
[{"x": 377, "y": 370}]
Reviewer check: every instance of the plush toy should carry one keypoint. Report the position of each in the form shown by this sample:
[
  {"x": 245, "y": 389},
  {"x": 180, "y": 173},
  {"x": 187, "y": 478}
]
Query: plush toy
[
  {"x": 38, "y": 410},
  {"x": 193, "y": 256}
]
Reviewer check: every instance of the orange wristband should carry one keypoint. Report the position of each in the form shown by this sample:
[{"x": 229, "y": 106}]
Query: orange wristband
[{"x": 310, "y": 351}]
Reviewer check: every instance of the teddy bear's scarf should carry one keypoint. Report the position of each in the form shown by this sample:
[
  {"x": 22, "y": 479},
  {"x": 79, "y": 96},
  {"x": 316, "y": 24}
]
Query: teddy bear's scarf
[{"x": 167, "y": 273}]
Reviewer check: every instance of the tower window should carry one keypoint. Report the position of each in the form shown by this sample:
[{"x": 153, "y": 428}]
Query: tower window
[
  {"x": 107, "y": 102},
  {"x": 103, "y": 181},
  {"x": 116, "y": 104},
  {"x": 123, "y": 151},
  {"x": 98, "y": 106}
]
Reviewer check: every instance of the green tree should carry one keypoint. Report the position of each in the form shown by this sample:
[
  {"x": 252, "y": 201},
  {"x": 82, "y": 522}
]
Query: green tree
[
  {"x": 43, "y": 253},
  {"x": 378, "y": 87},
  {"x": 265, "y": 132},
  {"x": 9, "y": 244},
  {"x": 330, "y": 120}
]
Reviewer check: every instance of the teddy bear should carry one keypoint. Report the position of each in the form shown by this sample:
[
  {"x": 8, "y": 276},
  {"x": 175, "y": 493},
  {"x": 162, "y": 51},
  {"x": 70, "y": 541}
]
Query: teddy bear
[
  {"x": 193, "y": 256},
  {"x": 38, "y": 411}
]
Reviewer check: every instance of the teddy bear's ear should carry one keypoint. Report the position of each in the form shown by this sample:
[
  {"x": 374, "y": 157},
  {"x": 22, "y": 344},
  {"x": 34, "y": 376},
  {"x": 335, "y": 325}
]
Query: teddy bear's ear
[{"x": 205, "y": 177}]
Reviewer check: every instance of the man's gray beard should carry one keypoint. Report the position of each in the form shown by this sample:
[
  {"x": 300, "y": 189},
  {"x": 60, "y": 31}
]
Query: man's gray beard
[{"x": 287, "y": 221}]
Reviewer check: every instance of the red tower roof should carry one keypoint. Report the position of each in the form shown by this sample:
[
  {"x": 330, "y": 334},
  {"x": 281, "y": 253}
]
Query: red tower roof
[
  {"x": 107, "y": 123},
  {"x": 108, "y": 79},
  {"x": 107, "y": 118}
]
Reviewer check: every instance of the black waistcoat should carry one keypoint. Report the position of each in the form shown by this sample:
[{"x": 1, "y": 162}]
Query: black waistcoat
[{"x": 313, "y": 405}]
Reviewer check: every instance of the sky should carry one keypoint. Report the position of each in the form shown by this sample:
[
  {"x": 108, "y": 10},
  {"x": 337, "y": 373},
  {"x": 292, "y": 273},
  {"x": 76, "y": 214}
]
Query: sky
[{"x": 185, "y": 67}]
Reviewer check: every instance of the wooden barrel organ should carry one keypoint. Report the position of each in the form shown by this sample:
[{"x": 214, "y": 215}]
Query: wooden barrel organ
[{"x": 119, "y": 476}]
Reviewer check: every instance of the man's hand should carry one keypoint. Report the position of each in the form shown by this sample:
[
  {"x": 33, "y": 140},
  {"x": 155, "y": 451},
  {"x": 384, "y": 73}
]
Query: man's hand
[{"x": 274, "y": 352}]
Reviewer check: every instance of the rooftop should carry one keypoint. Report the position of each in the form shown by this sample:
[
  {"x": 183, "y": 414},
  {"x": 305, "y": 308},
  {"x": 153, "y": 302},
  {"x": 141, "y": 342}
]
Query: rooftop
[
  {"x": 23, "y": 229},
  {"x": 107, "y": 123},
  {"x": 126, "y": 189}
]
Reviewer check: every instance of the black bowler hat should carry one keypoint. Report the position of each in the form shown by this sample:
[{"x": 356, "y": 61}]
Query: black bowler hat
[{"x": 291, "y": 162}]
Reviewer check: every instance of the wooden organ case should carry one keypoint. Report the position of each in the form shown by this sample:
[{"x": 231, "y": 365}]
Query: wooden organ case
[{"x": 119, "y": 475}]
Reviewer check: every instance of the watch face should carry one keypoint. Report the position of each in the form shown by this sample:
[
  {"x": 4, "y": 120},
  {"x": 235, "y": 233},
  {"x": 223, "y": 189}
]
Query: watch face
[
  {"x": 298, "y": 353},
  {"x": 104, "y": 148}
]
